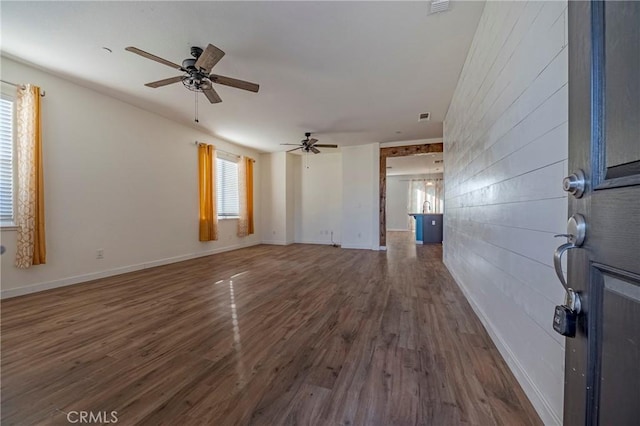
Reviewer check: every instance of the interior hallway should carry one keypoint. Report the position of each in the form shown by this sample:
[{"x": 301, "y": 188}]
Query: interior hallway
[{"x": 268, "y": 335}]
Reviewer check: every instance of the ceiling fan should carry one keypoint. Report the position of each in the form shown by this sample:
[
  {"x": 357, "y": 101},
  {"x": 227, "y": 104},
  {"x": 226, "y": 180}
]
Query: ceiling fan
[
  {"x": 197, "y": 77},
  {"x": 309, "y": 145}
]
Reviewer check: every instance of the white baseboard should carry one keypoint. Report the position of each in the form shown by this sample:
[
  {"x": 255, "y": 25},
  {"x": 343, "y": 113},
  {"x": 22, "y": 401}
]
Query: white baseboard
[
  {"x": 78, "y": 279},
  {"x": 539, "y": 402},
  {"x": 356, "y": 246},
  {"x": 360, "y": 247},
  {"x": 274, "y": 242},
  {"x": 318, "y": 242}
]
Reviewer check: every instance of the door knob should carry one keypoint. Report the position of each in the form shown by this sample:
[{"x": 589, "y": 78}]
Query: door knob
[
  {"x": 576, "y": 232},
  {"x": 574, "y": 184}
]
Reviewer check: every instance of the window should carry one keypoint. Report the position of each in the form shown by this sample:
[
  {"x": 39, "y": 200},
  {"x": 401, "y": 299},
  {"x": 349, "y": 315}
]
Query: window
[
  {"x": 6, "y": 161},
  {"x": 227, "y": 202}
]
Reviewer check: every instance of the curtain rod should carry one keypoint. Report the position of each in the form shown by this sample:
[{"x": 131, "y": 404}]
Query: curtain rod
[
  {"x": 226, "y": 152},
  {"x": 22, "y": 86}
]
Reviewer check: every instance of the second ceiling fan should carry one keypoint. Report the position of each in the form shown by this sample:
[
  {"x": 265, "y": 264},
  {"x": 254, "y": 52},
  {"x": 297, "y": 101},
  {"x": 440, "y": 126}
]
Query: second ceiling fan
[
  {"x": 197, "y": 75},
  {"x": 309, "y": 145}
]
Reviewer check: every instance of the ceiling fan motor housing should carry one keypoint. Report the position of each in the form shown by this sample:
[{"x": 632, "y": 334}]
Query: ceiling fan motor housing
[
  {"x": 196, "y": 51},
  {"x": 189, "y": 64}
]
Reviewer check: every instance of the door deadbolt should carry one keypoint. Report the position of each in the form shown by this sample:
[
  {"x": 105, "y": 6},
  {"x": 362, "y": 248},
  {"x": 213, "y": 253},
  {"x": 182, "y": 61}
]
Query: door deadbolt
[{"x": 575, "y": 184}]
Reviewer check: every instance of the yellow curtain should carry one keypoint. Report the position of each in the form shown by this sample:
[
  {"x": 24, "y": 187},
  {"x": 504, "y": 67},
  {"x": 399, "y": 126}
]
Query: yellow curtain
[
  {"x": 31, "y": 247},
  {"x": 250, "y": 196},
  {"x": 207, "y": 192},
  {"x": 245, "y": 189}
]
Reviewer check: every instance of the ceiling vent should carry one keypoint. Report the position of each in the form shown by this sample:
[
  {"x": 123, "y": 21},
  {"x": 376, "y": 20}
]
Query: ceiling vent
[
  {"x": 438, "y": 6},
  {"x": 425, "y": 116}
]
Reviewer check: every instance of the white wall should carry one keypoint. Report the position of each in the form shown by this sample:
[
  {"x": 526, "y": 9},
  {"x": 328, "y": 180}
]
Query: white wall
[
  {"x": 397, "y": 201},
  {"x": 505, "y": 150},
  {"x": 292, "y": 162},
  {"x": 319, "y": 206},
  {"x": 361, "y": 196},
  {"x": 278, "y": 190},
  {"x": 338, "y": 192},
  {"x": 117, "y": 178},
  {"x": 273, "y": 190}
]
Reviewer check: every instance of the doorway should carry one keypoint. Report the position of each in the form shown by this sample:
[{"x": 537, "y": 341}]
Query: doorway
[
  {"x": 414, "y": 187},
  {"x": 393, "y": 152}
]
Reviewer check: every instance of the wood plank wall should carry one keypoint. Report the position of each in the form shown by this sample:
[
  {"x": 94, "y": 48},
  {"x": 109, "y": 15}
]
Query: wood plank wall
[{"x": 505, "y": 155}]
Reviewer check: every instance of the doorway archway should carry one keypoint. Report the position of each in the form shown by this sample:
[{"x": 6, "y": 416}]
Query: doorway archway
[{"x": 397, "y": 151}]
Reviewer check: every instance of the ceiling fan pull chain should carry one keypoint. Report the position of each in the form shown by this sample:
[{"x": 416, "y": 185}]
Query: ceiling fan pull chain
[{"x": 196, "y": 98}]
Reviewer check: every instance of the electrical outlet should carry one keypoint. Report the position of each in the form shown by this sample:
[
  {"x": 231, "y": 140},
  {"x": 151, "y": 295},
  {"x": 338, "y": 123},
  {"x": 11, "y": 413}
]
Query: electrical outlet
[{"x": 100, "y": 254}]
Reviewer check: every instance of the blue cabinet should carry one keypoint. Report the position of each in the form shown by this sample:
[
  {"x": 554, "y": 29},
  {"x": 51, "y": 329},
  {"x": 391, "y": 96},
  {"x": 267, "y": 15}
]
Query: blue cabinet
[
  {"x": 418, "y": 219},
  {"x": 428, "y": 227}
]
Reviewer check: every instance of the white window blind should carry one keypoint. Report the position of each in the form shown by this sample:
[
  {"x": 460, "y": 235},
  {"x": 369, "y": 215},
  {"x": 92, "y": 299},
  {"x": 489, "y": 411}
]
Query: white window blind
[
  {"x": 227, "y": 202},
  {"x": 6, "y": 160}
]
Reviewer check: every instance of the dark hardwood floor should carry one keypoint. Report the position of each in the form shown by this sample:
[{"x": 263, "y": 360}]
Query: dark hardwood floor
[{"x": 268, "y": 335}]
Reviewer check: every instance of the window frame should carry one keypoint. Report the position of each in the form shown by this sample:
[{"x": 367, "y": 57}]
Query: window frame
[
  {"x": 7, "y": 225},
  {"x": 233, "y": 160}
]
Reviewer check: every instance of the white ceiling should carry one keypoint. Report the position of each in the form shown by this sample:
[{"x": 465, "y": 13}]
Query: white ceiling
[
  {"x": 352, "y": 72},
  {"x": 415, "y": 164}
]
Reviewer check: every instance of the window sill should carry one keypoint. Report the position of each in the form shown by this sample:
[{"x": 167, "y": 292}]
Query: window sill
[
  {"x": 8, "y": 227},
  {"x": 228, "y": 217}
]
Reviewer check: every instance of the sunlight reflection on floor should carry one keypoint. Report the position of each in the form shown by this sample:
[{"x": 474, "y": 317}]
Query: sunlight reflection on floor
[
  {"x": 401, "y": 244},
  {"x": 237, "y": 343}
]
